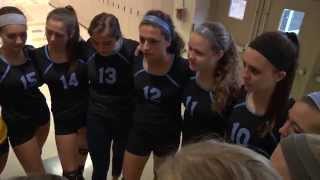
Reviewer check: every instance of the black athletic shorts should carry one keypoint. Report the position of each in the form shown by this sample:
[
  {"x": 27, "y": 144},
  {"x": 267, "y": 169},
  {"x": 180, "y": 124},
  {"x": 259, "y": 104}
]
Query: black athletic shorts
[
  {"x": 70, "y": 120},
  {"x": 159, "y": 140},
  {"x": 22, "y": 126}
]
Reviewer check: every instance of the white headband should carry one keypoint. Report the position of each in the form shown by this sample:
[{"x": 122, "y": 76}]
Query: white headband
[
  {"x": 12, "y": 18},
  {"x": 315, "y": 96}
]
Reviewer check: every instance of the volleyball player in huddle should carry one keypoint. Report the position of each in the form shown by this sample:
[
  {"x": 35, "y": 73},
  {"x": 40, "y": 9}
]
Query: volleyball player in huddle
[
  {"x": 24, "y": 107},
  {"x": 111, "y": 94},
  {"x": 209, "y": 95},
  {"x": 159, "y": 76},
  {"x": 269, "y": 67},
  {"x": 62, "y": 64}
]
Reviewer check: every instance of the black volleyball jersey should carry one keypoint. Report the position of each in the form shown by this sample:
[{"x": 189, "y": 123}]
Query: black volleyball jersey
[
  {"x": 243, "y": 126},
  {"x": 112, "y": 75},
  {"x": 68, "y": 86},
  {"x": 199, "y": 117},
  {"x": 158, "y": 97},
  {"x": 19, "y": 92}
]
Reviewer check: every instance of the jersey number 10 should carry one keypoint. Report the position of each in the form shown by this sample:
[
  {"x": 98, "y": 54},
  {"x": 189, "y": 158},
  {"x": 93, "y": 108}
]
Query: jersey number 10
[{"x": 239, "y": 135}]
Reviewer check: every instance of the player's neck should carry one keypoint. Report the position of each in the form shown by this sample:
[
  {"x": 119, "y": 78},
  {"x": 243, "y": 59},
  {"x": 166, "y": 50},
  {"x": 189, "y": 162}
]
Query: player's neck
[
  {"x": 158, "y": 66},
  {"x": 58, "y": 54},
  {"x": 12, "y": 57},
  {"x": 205, "y": 79},
  {"x": 258, "y": 102}
]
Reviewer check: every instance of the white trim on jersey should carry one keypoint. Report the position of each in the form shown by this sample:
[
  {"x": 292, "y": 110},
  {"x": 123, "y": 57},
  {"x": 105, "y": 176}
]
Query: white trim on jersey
[
  {"x": 172, "y": 80},
  {"x": 82, "y": 61},
  {"x": 5, "y": 73},
  {"x": 241, "y": 104},
  {"x": 46, "y": 52},
  {"x": 122, "y": 57},
  {"x": 48, "y": 68},
  {"x": 193, "y": 78},
  {"x": 91, "y": 57},
  {"x": 211, "y": 96},
  {"x": 139, "y": 72}
]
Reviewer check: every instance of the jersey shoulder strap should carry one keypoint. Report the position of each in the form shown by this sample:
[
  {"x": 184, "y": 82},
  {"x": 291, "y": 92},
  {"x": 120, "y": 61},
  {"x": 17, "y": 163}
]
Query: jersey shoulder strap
[{"x": 4, "y": 69}]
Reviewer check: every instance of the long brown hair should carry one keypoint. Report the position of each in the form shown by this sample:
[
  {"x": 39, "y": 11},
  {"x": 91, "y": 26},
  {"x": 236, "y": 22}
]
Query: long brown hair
[
  {"x": 68, "y": 17},
  {"x": 227, "y": 78},
  {"x": 285, "y": 47}
]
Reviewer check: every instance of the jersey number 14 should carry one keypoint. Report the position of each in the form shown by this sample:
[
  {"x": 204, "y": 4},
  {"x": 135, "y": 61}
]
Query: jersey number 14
[{"x": 73, "y": 81}]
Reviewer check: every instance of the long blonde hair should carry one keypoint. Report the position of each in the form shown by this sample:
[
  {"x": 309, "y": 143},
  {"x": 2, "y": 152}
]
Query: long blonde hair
[
  {"x": 227, "y": 73},
  {"x": 210, "y": 159}
]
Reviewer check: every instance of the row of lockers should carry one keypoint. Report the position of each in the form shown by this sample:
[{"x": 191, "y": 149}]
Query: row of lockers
[{"x": 129, "y": 12}]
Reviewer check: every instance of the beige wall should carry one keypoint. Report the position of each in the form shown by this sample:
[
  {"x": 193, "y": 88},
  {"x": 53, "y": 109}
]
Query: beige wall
[{"x": 130, "y": 12}]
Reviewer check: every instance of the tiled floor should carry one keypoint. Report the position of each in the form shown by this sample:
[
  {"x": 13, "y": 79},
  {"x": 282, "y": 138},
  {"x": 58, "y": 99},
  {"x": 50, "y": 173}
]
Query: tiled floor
[{"x": 36, "y": 11}]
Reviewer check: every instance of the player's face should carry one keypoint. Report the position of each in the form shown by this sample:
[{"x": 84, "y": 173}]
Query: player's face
[
  {"x": 152, "y": 42},
  {"x": 301, "y": 119},
  {"x": 13, "y": 36},
  {"x": 201, "y": 56},
  {"x": 56, "y": 33},
  {"x": 259, "y": 75},
  {"x": 103, "y": 43}
]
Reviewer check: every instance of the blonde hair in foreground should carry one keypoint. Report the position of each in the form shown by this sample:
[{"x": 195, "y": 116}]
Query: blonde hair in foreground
[{"x": 212, "y": 160}]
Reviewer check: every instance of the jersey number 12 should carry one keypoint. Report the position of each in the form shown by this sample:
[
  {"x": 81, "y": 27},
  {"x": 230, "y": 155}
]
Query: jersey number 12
[{"x": 151, "y": 93}]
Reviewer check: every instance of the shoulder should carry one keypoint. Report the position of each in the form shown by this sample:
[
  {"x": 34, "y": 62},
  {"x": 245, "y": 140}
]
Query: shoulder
[
  {"x": 240, "y": 106},
  {"x": 128, "y": 47},
  {"x": 180, "y": 70},
  {"x": 129, "y": 43},
  {"x": 182, "y": 65},
  {"x": 85, "y": 50},
  {"x": 137, "y": 62},
  {"x": 35, "y": 53}
]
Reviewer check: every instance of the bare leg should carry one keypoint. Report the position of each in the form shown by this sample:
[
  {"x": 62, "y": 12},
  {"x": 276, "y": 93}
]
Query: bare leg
[
  {"x": 28, "y": 155},
  {"x": 157, "y": 162},
  {"x": 3, "y": 161},
  {"x": 82, "y": 146},
  {"x": 42, "y": 134},
  {"x": 133, "y": 166},
  {"x": 67, "y": 146}
]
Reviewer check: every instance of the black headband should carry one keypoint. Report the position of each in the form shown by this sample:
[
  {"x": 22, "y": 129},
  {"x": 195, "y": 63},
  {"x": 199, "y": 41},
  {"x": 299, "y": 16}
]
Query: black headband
[{"x": 265, "y": 45}]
